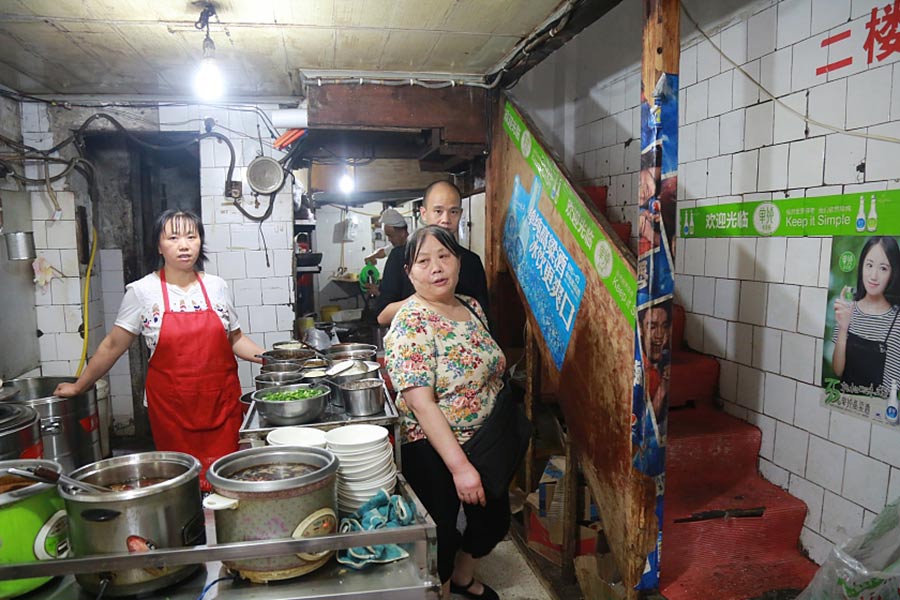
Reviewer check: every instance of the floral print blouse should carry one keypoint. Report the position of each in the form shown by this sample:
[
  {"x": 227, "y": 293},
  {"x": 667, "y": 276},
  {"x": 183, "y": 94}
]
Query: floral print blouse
[{"x": 459, "y": 360}]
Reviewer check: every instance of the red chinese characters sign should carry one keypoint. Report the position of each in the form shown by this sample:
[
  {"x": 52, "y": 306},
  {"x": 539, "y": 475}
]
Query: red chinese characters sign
[{"x": 882, "y": 38}]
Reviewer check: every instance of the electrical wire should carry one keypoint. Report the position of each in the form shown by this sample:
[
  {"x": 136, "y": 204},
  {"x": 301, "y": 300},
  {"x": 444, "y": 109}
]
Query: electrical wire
[
  {"x": 805, "y": 118},
  {"x": 209, "y": 585}
]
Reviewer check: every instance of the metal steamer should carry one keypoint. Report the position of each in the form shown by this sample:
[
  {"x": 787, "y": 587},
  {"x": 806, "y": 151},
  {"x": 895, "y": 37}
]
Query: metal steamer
[
  {"x": 159, "y": 506},
  {"x": 69, "y": 427}
]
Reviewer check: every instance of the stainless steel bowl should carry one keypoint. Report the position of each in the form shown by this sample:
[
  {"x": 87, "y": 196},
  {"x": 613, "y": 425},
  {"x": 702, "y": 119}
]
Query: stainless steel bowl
[
  {"x": 351, "y": 350},
  {"x": 267, "y": 380},
  {"x": 292, "y": 412},
  {"x": 280, "y": 367},
  {"x": 282, "y": 355}
]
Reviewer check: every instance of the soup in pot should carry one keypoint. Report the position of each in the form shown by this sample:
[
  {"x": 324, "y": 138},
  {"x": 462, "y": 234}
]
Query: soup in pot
[
  {"x": 134, "y": 484},
  {"x": 273, "y": 472}
]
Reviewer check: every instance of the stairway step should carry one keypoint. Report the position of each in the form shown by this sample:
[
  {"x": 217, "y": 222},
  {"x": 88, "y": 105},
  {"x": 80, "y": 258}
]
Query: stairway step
[
  {"x": 751, "y": 576},
  {"x": 623, "y": 230},
  {"x": 694, "y": 378},
  {"x": 678, "y": 320},
  {"x": 779, "y": 523},
  {"x": 708, "y": 444}
]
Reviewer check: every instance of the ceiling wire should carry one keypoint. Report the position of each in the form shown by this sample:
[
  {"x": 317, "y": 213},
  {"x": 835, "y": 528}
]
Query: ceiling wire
[{"x": 806, "y": 118}]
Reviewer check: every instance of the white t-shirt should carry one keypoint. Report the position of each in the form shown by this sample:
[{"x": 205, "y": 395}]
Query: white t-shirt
[{"x": 142, "y": 308}]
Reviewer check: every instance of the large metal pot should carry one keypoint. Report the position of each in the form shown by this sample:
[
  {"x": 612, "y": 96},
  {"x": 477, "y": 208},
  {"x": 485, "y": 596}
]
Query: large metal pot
[
  {"x": 20, "y": 432},
  {"x": 165, "y": 513},
  {"x": 282, "y": 355},
  {"x": 351, "y": 351},
  {"x": 304, "y": 502},
  {"x": 32, "y": 521},
  {"x": 368, "y": 371},
  {"x": 70, "y": 427}
]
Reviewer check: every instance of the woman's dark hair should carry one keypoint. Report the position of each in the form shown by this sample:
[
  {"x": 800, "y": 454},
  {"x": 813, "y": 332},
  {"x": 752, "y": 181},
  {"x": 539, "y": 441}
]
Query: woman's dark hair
[
  {"x": 892, "y": 251},
  {"x": 415, "y": 241},
  {"x": 181, "y": 220}
]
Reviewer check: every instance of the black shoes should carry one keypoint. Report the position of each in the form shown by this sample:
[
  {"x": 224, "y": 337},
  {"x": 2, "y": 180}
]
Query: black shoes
[{"x": 463, "y": 590}]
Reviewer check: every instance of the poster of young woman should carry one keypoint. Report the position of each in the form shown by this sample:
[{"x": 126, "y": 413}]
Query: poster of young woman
[{"x": 861, "y": 353}]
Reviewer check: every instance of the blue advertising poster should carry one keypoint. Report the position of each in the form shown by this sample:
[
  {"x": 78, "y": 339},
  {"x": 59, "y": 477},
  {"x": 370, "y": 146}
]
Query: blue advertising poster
[
  {"x": 552, "y": 282},
  {"x": 658, "y": 182}
]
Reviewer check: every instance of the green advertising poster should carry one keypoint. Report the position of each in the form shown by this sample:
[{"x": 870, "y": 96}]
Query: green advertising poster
[
  {"x": 866, "y": 214},
  {"x": 861, "y": 350},
  {"x": 611, "y": 268}
]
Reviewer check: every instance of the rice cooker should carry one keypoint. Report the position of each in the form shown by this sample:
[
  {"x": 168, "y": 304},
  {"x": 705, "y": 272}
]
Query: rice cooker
[{"x": 33, "y": 524}]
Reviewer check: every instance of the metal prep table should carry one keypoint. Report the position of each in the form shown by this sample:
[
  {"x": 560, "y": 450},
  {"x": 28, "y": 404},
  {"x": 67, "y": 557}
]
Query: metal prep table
[
  {"x": 254, "y": 429},
  {"x": 412, "y": 578}
]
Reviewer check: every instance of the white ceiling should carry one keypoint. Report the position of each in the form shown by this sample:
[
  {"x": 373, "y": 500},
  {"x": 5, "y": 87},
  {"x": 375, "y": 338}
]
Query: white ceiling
[{"x": 151, "y": 47}]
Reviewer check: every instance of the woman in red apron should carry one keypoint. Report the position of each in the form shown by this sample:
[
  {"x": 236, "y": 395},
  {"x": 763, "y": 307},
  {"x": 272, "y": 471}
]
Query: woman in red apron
[{"x": 193, "y": 390}]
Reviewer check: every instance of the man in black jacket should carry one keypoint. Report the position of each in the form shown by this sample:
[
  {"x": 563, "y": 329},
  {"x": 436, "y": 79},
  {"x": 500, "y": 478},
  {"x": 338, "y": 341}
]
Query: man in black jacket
[{"x": 442, "y": 205}]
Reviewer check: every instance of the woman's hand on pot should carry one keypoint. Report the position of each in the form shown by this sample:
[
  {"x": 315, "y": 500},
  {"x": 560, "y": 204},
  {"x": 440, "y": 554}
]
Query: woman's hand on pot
[
  {"x": 66, "y": 390},
  {"x": 468, "y": 485}
]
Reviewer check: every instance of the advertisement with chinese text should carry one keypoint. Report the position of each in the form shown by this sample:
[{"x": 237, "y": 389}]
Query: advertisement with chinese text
[{"x": 861, "y": 353}]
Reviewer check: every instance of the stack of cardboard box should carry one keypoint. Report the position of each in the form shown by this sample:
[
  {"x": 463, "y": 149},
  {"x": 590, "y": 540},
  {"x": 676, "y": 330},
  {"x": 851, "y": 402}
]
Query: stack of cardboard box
[{"x": 545, "y": 525}]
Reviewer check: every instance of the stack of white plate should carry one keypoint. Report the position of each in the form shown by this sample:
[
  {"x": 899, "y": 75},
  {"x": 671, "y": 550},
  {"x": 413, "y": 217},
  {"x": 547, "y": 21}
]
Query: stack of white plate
[{"x": 366, "y": 463}]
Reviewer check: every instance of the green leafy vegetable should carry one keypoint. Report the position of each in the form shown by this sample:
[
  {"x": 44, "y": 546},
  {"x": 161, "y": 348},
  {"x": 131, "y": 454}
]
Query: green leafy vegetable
[{"x": 300, "y": 394}]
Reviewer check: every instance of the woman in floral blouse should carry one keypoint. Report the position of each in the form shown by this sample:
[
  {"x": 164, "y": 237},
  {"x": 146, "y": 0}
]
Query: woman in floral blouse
[{"x": 449, "y": 371}]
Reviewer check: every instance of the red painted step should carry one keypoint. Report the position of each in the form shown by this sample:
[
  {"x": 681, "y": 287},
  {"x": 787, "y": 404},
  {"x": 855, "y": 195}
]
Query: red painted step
[
  {"x": 711, "y": 466},
  {"x": 694, "y": 379}
]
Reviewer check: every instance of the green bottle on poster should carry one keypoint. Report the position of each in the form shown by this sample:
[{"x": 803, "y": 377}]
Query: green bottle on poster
[
  {"x": 872, "y": 221},
  {"x": 861, "y": 215}
]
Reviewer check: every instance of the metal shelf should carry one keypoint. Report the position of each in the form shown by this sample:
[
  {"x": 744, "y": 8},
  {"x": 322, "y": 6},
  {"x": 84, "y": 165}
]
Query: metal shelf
[
  {"x": 413, "y": 577},
  {"x": 316, "y": 269}
]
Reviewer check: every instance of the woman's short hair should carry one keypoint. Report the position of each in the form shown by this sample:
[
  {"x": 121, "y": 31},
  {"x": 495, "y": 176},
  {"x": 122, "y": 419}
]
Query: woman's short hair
[
  {"x": 892, "y": 251},
  {"x": 415, "y": 241},
  {"x": 182, "y": 220}
]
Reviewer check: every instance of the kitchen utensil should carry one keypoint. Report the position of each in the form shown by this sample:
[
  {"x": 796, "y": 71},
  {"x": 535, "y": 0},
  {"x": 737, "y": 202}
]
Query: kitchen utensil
[
  {"x": 159, "y": 506},
  {"x": 351, "y": 350},
  {"x": 33, "y": 523},
  {"x": 282, "y": 367},
  {"x": 361, "y": 370},
  {"x": 298, "y": 484},
  {"x": 281, "y": 355},
  {"x": 20, "y": 432},
  {"x": 268, "y": 380},
  {"x": 46, "y": 475},
  {"x": 291, "y": 412},
  {"x": 363, "y": 397},
  {"x": 69, "y": 426}
]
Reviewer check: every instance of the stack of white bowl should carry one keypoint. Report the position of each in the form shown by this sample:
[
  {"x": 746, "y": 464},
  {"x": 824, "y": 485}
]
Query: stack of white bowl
[{"x": 366, "y": 463}]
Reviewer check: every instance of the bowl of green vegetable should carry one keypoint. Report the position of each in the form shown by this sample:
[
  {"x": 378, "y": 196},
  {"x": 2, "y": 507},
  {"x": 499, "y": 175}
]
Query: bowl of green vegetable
[{"x": 293, "y": 404}]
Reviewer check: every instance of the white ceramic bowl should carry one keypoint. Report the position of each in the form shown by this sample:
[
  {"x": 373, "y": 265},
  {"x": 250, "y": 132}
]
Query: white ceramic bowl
[
  {"x": 355, "y": 438},
  {"x": 365, "y": 469},
  {"x": 368, "y": 475},
  {"x": 358, "y": 461},
  {"x": 361, "y": 487},
  {"x": 296, "y": 436}
]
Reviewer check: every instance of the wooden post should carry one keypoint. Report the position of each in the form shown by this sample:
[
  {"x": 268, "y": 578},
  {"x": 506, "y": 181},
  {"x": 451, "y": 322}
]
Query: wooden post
[
  {"x": 570, "y": 526},
  {"x": 656, "y": 228}
]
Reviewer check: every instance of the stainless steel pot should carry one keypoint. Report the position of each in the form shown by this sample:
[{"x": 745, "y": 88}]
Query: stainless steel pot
[
  {"x": 164, "y": 514},
  {"x": 268, "y": 380},
  {"x": 282, "y": 355},
  {"x": 351, "y": 351},
  {"x": 292, "y": 412},
  {"x": 70, "y": 427},
  {"x": 369, "y": 371},
  {"x": 20, "y": 432},
  {"x": 281, "y": 367},
  {"x": 291, "y": 504},
  {"x": 363, "y": 397}
]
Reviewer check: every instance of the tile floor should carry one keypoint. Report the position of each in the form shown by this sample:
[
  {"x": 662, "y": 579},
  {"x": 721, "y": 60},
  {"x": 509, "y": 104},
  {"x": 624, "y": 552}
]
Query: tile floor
[{"x": 506, "y": 570}]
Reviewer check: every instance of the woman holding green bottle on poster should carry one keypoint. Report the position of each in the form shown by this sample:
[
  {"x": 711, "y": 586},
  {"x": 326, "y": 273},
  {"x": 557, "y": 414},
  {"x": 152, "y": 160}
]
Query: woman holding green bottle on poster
[{"x": 866, "y": 354}]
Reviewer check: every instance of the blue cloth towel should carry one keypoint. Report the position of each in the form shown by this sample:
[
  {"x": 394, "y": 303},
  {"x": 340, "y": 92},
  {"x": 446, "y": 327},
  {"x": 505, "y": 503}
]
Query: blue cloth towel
[{"x": 381, "y": 511}]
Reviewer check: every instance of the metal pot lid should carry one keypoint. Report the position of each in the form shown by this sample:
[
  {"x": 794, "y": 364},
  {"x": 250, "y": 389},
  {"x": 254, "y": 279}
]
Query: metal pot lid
[
  {"x": 15, "y": 416},
  {"x": 8, "y": 393},
  {"x": 221, "y": 474}
]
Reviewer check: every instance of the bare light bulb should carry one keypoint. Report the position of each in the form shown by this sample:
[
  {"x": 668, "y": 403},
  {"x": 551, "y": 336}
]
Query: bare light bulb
[
  {"x": 346, "y": 184},
  {"x": 208, "y": 83}
]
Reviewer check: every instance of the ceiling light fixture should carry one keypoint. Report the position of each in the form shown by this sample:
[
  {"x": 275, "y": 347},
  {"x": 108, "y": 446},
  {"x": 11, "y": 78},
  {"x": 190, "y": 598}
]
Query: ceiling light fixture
[{"x": 208, "y": 82}]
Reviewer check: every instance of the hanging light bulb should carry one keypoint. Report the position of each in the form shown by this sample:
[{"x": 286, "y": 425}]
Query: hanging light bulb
[
  {"x": 346, "y": 183},
  {"x": 208, "y": 84}
]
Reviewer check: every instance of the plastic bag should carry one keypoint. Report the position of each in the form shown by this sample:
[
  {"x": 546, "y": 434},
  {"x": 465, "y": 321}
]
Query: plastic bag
[{"x": 866, "y": 567}]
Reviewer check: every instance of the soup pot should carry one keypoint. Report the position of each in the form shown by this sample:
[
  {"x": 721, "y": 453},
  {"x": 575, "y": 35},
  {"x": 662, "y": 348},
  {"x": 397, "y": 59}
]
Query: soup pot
[
  {"x": 156, "y": 505},
  {"x": 281, "y": 367},
  {"x": 281, "y": 355},
  {"x": 293, "y": 483},
  {"x": 33, "y": 523},
  {"x": 70, "y": 427},
  {"x": 351, "y": 351},
  {"x": 20, "y": 432},
  {"x": 273, "y": 378},
  {"x": 368, "y": 370},
  {"x": 363, "y": 397}
]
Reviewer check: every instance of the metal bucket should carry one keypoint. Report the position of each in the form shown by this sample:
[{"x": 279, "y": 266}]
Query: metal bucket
[
  {"x": 70, "y": 427},
  {"x": 20, "y": 245}
]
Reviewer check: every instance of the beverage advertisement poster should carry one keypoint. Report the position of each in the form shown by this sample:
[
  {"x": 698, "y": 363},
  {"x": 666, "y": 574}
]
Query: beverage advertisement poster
[
  {"x": 552, "y": 282},
  {"x": 861, "y": 350}
]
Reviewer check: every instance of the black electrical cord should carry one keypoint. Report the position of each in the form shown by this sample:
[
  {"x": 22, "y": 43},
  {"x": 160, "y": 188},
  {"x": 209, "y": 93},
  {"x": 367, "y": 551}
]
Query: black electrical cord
[{"x": 261, "y": 218}]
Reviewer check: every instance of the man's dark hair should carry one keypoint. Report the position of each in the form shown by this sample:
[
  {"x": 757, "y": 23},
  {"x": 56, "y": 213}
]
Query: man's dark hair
[
  {"x": 415, "y": 241},
  {"x": 182, "y": 220}
]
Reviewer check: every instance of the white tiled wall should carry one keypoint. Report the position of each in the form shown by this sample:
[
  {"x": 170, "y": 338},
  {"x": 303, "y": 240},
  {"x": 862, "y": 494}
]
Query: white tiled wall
[{"x": 759, "y": 304}]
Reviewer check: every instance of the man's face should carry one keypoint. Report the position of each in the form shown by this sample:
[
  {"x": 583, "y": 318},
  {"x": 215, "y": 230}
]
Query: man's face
[
  {"x": 442, "y": 207},
  {"x": 655, "y": 326},
  {"x": 396, "y": 235}
]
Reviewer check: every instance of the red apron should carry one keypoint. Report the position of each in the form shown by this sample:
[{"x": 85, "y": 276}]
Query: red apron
[{"x": 193, "y": 390}]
